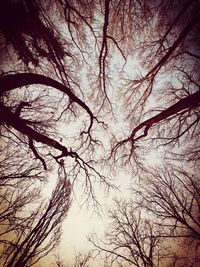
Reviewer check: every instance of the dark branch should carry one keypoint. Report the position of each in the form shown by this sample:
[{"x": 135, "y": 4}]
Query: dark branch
[
  {"x": 20, "y": 107},
  {"x": 191, "y": 101},
  {"x": 13, "y": 81},
  {"x": 19, "y": 124},
  {"x": 32, "y": 147}
]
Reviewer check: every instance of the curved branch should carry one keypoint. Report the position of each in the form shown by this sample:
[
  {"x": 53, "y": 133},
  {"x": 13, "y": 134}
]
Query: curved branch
[{"x": 13, "y": 81}]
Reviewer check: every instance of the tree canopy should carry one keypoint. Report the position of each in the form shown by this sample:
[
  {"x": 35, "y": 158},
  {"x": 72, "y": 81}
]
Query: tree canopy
[{"x": 88, "y": 87}]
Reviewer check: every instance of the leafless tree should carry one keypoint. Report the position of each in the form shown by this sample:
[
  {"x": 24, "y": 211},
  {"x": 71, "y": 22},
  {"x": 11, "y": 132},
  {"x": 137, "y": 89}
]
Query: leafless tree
[
  {"x": 70, "y": 93},
  {"x": 32, "y": 116},
  {"x": 162, "y": 32},
  {"x": 132, "y": 239},
  {"x": 158, "y": 225},
  {"x": 28, "y": 234},
  {"x": 171, "y": 60},
  {"x": 172, "y": 196},
  {"x": 80, "y": 260}
]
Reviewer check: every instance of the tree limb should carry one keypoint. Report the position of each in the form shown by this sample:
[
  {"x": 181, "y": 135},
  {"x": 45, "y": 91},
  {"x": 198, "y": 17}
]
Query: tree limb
[
  {"x": 32, "y": 147},
  {"x": 20, "y": 107},
  {"x": 19, "y": 124},
  {"x": 188, "y": 102},
  {"x": 13, "y": 81}
]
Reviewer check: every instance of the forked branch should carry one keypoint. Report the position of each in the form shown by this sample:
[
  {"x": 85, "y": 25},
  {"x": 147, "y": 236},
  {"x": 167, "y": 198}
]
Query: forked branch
[{"x": 191, "y": 101}]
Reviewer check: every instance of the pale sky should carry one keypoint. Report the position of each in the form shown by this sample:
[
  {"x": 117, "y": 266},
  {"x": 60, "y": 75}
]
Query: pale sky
[{"x": 82, "y": 221}]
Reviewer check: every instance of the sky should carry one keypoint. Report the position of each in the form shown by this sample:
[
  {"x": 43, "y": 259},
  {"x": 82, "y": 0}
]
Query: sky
[{"x": 82, "y": 220}]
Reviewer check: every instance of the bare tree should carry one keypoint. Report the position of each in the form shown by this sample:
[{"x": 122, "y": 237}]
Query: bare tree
[
  {"x": 170, "y": 52},
  {"x": 132, "y": 239},
  {"x": 171, "y": 60},
  {"x": 34, "y": 235},
  {"x": 172, "y": 196},
  {"x": 157, "y": 226},
  {"x": 23, "y": 108},
  {"x": 80, "y": 260},
  {"x": 68, "y": 81}
]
